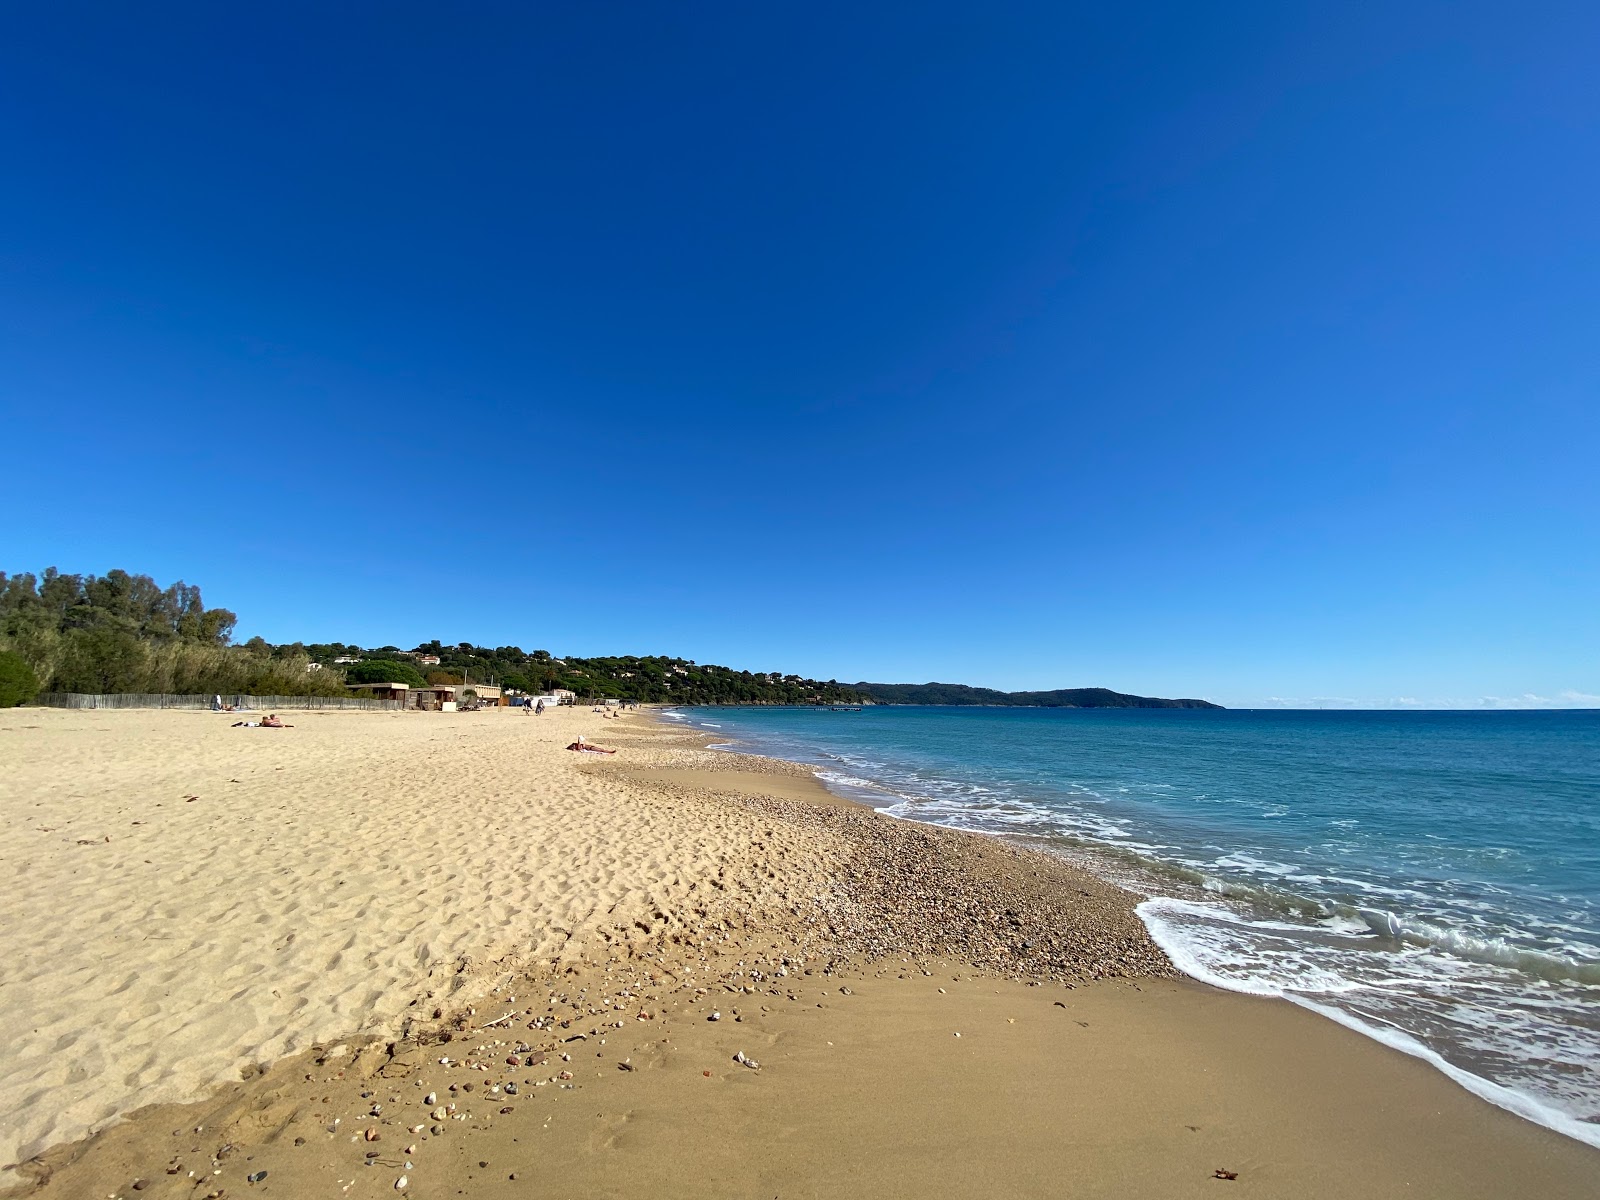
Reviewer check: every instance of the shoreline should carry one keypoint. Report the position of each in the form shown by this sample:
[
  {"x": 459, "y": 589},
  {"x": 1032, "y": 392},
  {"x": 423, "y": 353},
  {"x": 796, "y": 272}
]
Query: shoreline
[
  {"x": 1162, "y": 884},
  {"x": 846, "y": 949}
]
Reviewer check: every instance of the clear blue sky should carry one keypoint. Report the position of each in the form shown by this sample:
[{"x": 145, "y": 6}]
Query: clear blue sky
[{"x": 1240, "y": 351}]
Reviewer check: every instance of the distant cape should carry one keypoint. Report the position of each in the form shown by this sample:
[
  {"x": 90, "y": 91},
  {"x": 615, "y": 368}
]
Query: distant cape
[{"x": 960, "y": 693}]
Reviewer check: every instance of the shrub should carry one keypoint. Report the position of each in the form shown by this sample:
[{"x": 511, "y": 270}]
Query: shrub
[
  {"x": 383, "y": 670},
  {"x": 18, "y": 684}
]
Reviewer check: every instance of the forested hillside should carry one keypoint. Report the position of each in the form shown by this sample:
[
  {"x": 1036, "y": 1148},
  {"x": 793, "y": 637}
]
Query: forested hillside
[
  {"x": 125, "y": 633},
  {"x": 120, "y": 632},
  {"x": 647, "y": 679}
]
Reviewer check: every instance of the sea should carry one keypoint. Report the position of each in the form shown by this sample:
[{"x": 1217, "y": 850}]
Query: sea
[{"x": 1429, "y": 879}]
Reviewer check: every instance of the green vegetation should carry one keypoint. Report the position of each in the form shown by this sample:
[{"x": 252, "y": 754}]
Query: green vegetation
[
  {"x": 383, "y": 670},
  {"x": 18, "y": 683},
  {"x": 124, "y": 633},
  {"x": 960, "y": 693},
  {"x": 647, "y": 680}
]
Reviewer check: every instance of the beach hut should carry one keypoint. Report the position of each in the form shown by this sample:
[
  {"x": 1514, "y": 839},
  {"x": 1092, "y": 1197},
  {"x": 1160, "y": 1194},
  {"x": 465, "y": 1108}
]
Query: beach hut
[{"x": 383, "y": 691}]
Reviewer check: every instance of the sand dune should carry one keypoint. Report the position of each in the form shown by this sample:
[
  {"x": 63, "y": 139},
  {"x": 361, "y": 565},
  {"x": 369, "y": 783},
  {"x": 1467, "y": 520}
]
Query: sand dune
[{"x": 186, "y": 899}]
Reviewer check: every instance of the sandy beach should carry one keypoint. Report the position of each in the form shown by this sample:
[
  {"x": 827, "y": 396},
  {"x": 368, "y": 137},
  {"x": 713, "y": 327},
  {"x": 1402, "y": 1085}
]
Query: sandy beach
[{"x": 444, "y": 949}]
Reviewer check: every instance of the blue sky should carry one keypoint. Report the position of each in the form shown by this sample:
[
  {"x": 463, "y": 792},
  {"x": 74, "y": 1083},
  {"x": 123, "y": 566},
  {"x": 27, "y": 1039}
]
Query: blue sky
[{"x": 1245, "y": 351}]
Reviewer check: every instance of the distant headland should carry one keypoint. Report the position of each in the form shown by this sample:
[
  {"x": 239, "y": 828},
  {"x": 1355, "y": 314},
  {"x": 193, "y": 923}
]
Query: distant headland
[
  {"x": 121, "y": 633},
  {"x": 960, "y": 693}
]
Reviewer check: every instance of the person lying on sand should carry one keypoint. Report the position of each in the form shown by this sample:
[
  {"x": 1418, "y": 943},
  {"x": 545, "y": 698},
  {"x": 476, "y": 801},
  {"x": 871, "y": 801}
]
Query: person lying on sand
[
  {"x": 580, "y": 745},
  {"x": 270, "y": 721}
]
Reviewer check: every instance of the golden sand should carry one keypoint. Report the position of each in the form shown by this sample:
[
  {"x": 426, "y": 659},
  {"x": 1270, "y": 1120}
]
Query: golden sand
[
  {"x": 371, "y": 894},
  {"x": 186, "y": 899}
]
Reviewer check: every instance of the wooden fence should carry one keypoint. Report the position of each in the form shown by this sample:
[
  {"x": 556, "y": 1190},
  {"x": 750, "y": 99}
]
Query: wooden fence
[{"x": 240, "y": 703}]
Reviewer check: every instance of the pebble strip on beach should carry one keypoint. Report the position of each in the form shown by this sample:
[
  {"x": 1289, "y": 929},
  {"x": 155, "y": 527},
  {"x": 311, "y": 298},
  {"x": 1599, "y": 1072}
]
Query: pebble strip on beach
[
  {"x": 902, "y": 898},
  {"x": 916, "y": 889}
]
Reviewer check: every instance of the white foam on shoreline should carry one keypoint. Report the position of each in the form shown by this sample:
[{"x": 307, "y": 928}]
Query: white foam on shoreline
[
  {"x": 1510, "y": 1011},
  {"x": 1214, "y": 945}
]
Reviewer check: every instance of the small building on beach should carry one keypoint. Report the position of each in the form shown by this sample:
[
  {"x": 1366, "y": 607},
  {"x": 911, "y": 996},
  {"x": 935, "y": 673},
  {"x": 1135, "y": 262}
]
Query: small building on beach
[{"x": 383, "y": 691}]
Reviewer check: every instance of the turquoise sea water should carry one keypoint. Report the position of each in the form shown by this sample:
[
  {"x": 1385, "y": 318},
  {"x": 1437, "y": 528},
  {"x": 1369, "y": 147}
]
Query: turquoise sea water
[{"x": 1431, "y": 879}]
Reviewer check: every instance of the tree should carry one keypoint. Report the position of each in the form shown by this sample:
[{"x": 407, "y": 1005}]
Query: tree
[
  {"x": 383, "y": 670},
  {"x": 18, "y": 683},
  {"x": 101, "y": 660}
]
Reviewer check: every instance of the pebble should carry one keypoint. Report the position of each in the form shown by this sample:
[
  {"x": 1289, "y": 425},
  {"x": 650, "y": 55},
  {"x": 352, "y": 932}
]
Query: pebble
[
  {"x": 920, "y": 890},
  {"x": 923, "y": 892}
]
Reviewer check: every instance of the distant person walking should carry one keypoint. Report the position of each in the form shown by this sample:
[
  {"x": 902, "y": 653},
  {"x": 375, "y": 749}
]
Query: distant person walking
[{"x": 539, "y": 708}]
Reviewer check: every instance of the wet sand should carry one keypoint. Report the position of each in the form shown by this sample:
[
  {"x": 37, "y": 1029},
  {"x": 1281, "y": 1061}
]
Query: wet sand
[{"x": 626, "y": 900}]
